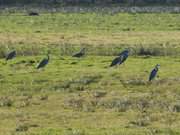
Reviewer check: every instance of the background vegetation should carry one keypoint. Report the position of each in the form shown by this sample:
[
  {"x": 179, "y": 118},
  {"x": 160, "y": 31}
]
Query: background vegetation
[
  {"x": 91, "y": 2},
  {"x": 102, "y": 34}
]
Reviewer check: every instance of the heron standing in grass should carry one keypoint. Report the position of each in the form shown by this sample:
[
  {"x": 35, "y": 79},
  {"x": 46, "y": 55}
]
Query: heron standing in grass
[
  {"x": 154, "y": 72},
  {"x": 120, "y": 59},
  {"x": 43, "y": 62},
  {"x": 81, "y": 53},
  {"x": 11, "y": 55},
  {"x": 124, "y": 55}
]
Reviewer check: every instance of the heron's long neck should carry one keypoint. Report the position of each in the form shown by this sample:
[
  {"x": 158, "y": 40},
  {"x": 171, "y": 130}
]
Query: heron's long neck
[
  {"x": 82, "y": 51},
  {"x": 156, "y": 68}
]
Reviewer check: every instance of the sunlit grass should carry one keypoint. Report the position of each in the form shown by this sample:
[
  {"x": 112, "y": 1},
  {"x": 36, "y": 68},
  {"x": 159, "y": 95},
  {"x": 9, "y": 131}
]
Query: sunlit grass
[
  {"x": 103, "y": 34},
  {"x": 85, "y": 96}
]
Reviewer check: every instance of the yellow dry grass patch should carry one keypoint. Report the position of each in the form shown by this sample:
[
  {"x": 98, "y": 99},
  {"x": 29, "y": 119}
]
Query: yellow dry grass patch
[{"x": 130, "y": 38}]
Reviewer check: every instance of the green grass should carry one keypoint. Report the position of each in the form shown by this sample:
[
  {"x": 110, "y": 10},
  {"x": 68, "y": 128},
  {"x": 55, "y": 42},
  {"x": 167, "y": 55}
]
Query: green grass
[
  {"x": 84, "y": 96},
  {"x": 89, "y": 22},
  {"x": 154, "y": 32}
]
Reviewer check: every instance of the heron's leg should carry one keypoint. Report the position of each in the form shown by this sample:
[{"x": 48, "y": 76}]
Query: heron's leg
[
  {"x": 124, "y": 64},
  {"x": 81, "y": 64},
  {"x": 5, "y": 62}
]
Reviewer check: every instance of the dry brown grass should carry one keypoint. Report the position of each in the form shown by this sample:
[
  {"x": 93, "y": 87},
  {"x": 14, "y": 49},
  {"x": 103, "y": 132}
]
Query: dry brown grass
[{"x": 165, "y": 39}]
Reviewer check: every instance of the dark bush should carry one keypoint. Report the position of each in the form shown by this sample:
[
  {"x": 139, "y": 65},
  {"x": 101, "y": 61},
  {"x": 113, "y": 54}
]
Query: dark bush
[{"x": 33, "y": 14}]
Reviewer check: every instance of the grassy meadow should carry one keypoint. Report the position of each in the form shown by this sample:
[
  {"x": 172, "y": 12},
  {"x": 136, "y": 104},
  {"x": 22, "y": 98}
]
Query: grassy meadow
[{"x": 84, "y": 96}]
